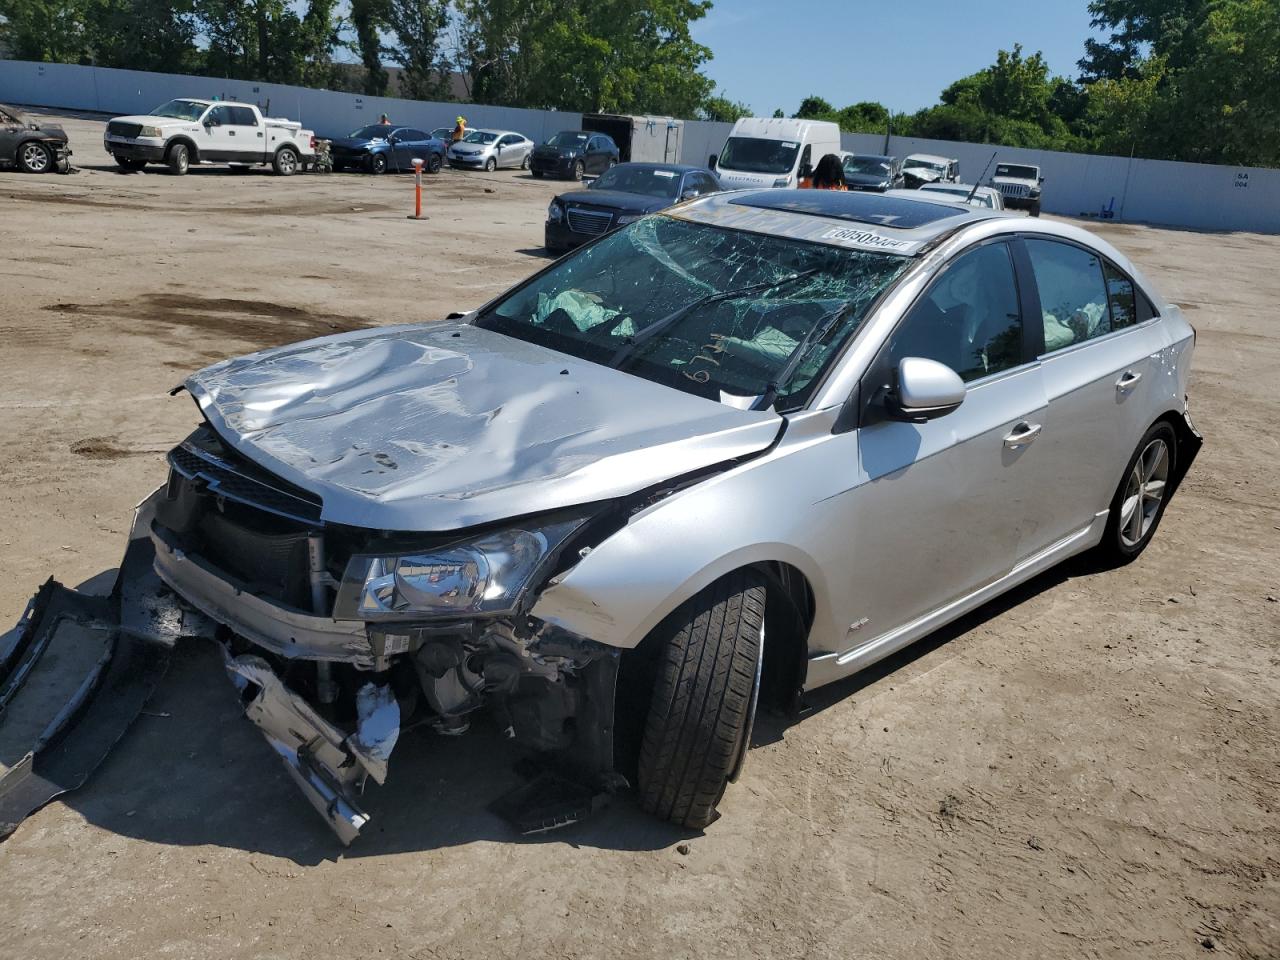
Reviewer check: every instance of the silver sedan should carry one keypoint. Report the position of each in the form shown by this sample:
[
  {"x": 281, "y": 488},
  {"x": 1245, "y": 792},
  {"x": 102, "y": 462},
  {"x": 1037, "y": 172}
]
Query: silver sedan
[
  {"x": 491, "y": 149},
  {"x": 728, "y": 453}
]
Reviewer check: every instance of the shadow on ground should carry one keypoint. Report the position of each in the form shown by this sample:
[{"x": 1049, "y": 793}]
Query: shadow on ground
[{"x": 193, "y": 771}]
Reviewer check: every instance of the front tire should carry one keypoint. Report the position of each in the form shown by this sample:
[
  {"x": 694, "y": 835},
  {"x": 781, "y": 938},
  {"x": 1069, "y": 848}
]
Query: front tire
[
  {"x": 179, "y": 160},
  {"x": 378, "y": 163},
  {"x": 579, "y": 169},
  {"x": 1035, "y": 209},
  {"x": 1140, "y": 499},
  {"x": 699, "y": 721},
  {"x": 490, "y": 165},
  {"x": 285, "y": 162},
  {"x": 537, "y": 174},
  {"x": 34, "y": 157}
]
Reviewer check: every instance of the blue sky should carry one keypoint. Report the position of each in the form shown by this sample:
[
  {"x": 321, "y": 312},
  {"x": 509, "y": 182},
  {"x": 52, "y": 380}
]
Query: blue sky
[{"x": 774, "y": 53}]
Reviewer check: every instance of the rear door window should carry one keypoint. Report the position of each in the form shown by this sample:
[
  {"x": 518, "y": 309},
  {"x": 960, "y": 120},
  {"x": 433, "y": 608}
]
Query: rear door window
[
  {"x": 415, "y": 135},
  {"x": 1073, "y": 295},
  {"x": 1124, "y": 308},
  {"x": 242, "y": 117}
]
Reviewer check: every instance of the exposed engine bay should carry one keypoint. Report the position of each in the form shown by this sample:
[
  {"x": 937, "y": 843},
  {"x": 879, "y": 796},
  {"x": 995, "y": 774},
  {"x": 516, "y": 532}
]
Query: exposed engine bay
[{"x": 331, "y": 669}]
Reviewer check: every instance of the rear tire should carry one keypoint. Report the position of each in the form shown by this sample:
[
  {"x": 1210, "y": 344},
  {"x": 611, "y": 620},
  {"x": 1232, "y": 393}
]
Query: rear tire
[
  {"x": 1140, "y": 499},
  {"x": 285, "y": 162},
  {"x": 704, "y": 697},
  {"x": 579, "y": 169},
  {"x": 524, "y": 164},
  {"x": 35, "y": 157},
  {"x": 434, "y": 163},
  {"x": 179, "y": 160}
]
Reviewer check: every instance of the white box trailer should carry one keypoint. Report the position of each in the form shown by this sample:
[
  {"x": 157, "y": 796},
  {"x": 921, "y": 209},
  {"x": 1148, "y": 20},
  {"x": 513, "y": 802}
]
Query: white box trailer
[{"x": 648, "y": 139}]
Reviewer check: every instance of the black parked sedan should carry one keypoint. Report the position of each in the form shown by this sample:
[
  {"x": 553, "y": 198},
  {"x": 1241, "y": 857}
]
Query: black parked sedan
[
  {"x": 624, "y": 193},
  {"x": 872, "y": 172},
  {"x": 30, "y": 144},
  {"x": 572, "y": 153}
]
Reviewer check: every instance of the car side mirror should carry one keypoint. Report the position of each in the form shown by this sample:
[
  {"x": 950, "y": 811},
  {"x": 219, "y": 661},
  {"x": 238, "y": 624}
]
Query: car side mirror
[
  {"x": 806, "y": 171},
  {"x": 1041, "y": 180},
  {"x": 711, "y": 162},
  {"x": 689, "y": 194},
  {"x": 926, "y": 390},
  {"x": 213, "y": 122}
]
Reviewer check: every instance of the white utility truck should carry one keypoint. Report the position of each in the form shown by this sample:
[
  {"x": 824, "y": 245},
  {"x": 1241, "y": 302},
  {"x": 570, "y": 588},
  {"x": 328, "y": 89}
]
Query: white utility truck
[
  {"x": 187, "y": 131},
  {"x": 773, "y": 152}
]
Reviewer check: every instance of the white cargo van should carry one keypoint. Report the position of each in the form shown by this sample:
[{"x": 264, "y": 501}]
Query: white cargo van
[{"x": 773, "y": 152}]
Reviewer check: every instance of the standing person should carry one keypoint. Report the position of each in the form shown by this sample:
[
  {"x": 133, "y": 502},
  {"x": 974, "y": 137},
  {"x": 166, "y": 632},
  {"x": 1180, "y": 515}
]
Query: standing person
[
  {"x": 829, "y": 174},
  {"x": 460, "y": 130}
]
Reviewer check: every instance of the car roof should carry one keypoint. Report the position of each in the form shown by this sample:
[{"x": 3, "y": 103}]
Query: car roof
[
  {"x": 867, "y": 221},
  {"x": 652, "y": 165}
]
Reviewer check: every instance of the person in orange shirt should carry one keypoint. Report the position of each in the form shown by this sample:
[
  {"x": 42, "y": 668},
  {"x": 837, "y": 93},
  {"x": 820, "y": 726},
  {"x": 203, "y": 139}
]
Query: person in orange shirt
[
  {"x": 460, "y": 130},
  {"x": 829, "y": 174}
]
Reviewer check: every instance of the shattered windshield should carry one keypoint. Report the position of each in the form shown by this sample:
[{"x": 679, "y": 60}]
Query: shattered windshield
[
  {"x": 751, "y": 155},
  {"x": 650, "y": 181},
  {"x": 719, "y": 313},
  {"x": 181, "y": 110}
]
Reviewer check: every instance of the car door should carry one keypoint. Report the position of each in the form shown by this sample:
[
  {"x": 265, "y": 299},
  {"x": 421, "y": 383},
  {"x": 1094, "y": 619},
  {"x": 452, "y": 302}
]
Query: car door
[
  {"x": 218, "y": 141},
  {"x": 598, "y": 155},
  {"x": 1096, "y": 342},
  {"x": 504, "y": 150},
  {"x": 247, "y": 136},
  {"x": 410, "y": 144},
  {"x": 941, "y": 504}
]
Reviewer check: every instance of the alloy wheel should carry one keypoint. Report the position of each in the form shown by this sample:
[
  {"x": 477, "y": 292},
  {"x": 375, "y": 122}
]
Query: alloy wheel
[
  {"x": 1144, "y": 493},
  {"x": 35, "y": 158}
]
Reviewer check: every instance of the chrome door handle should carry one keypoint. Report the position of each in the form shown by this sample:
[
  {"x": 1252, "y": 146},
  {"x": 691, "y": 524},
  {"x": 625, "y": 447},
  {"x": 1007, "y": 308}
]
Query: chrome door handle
[
  {"x": 1022, "y": 435},
  {"x": 1127, "y": 380}
]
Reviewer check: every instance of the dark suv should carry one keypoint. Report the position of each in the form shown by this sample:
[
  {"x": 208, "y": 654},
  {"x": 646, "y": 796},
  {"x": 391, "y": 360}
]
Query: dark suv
[{"x": 572, "y": 153}]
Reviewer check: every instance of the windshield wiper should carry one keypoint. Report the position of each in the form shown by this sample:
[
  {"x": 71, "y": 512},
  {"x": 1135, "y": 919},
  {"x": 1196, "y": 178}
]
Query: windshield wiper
[
  {"x": 652, "y": 330},
  {"x": 798, "y": 355}
]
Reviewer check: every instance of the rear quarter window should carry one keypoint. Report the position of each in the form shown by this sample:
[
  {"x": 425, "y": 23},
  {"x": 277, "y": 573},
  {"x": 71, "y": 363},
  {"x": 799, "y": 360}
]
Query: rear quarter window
[{"x": 1074, "y": 302}]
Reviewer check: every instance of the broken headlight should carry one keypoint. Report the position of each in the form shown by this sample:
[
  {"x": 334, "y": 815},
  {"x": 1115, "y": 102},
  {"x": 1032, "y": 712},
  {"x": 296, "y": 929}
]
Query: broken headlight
[
  {"x": 555, "y": 212},
  {"x": 485, "y": 575}
]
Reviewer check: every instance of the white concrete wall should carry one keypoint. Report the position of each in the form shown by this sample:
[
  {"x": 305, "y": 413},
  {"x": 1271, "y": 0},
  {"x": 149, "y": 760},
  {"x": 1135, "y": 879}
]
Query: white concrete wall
[
  {"x": 328, "y": 113},
  {"x": 1192, "y": 195}
]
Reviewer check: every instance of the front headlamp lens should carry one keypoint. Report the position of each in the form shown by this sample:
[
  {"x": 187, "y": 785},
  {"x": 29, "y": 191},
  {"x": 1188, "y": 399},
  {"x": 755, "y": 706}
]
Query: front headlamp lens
[{"x": 489, "y": 574}]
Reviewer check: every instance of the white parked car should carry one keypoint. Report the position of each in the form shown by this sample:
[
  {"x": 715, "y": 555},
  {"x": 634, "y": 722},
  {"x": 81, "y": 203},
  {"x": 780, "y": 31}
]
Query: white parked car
[
  {"x": 921, "y": 168},
  {"x": 985, "y": 197},
  {"x": 186, "y": 131},
  {"x": 491, "y": 149}
]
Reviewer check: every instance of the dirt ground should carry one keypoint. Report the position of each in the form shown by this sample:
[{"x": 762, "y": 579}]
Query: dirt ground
[{"x": 1087, "y": 768}]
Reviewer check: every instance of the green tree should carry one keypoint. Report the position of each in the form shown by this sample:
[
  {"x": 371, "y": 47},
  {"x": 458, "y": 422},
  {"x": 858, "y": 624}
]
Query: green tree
[
  {"x": 864, "y": 117},
  {"x": 47, "y": 30},
  {"x": 368, "y": 17},
  {"x": 417, "y": 26},
  {"x": 1140, "y": 28},
  {"x": 722, "y": 109},
  {"x": 626, "y": 56},
  {"x": 815, "y": 108}
]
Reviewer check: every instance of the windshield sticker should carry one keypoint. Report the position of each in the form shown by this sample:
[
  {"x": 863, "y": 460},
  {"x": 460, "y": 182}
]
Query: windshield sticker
[
  {"x": 789, "y": 144},
  {"x": 865, "y": 238},
  {"x": 664, "y": 173}
]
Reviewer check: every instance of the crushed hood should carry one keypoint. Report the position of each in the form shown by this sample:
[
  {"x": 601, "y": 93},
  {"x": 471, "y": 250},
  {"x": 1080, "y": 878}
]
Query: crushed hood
[
  {"x": 616, "y": 200},
  {"x": 446, "y": 425}
]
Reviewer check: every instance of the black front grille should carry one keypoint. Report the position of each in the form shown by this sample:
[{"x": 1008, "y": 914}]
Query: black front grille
[
  {"x": 242, "y": 483},
  {"x": 121, "y": 129},
  {"x": 582, "y": 220}
]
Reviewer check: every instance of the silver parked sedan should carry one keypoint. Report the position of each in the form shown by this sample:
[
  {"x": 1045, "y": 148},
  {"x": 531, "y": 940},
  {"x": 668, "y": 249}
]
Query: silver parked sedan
[
  {"x": 491, "y": 149},
  {"x": 728, "y": 453}
]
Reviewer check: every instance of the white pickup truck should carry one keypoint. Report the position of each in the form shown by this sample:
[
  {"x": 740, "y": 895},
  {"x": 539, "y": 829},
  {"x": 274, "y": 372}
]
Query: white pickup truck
[{"x": 186, "y": 131}]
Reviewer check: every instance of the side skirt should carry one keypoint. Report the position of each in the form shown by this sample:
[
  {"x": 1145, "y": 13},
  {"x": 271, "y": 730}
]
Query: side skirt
[{"x": 834, "y": 666}]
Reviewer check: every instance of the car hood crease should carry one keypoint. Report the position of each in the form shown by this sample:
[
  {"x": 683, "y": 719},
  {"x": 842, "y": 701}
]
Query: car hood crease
[{"x": 446, "y": 425}]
